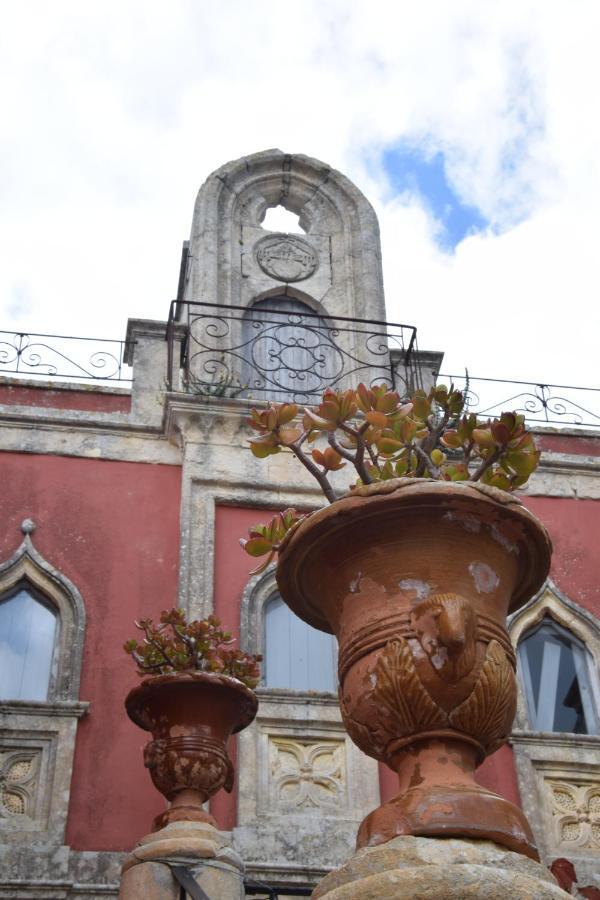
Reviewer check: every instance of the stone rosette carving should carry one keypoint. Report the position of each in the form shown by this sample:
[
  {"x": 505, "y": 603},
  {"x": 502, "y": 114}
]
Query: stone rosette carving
[
  {"x": 426, "y": 667},
  {"x": 576, "y": 813},
  {"x": 286, "y": 257},
  {"x": 307, "y": 775},
  {"x": 18, "y": 782}
]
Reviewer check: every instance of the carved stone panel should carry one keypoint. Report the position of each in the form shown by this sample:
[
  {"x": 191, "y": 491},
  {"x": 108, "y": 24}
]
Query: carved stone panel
[
  {"x": 575, "y": 810},
  {"x": 308, "y": 776},
  {"x": 19, "y": 771},
  {"x": 37, "y": 742},
  {"x": 26, "y": 780},
  {"x": 559, "y": 783},
  {"x": 303, "y": 788},
  {"x": 286, "y": 257}
]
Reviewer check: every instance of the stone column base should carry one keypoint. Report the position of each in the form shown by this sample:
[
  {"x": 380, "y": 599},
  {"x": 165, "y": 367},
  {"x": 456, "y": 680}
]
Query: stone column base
[
  {"x": 416, "y": 868},
  {"x": 217, "y": 868}
]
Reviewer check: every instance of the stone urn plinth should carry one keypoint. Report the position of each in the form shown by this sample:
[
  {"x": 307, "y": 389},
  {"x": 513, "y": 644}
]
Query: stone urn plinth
[
  {"x": 415, "y": 579},
  {"x": 191, "y": 716}
]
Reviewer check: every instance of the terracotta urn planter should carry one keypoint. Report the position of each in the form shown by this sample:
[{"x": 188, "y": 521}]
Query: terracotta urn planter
[
  {"x": 191, "y": 716},
  {"x": 415, "y": 578}
]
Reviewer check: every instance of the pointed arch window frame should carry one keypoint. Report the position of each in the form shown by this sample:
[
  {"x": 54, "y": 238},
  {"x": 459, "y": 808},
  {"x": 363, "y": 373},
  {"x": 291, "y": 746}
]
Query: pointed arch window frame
[
  {"x": 259, "y": 591},
  {"x": 27, "y": 568},
  {"x": 576, "y": 622},
  {"x": 43, "y": 732}
]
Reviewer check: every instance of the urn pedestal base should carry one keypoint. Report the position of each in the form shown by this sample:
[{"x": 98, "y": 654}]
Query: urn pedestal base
[
  {"x": 415, "y": 868},
  {"x": 199, "y": 846},
  {"x": 439, "y": 797}
]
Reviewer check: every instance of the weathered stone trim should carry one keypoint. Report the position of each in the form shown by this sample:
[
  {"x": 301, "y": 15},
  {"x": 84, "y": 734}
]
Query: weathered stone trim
[
  {"x": 257, "y": 593},
  {"x": 581, "y": 623},
  {"x": 28, "y": 566},
  {"x": 52, "y": 708},
  {"x": 55, "y": 385},
  {"x": 288, "y": 830},
  {"x": 542, "y": 758},
  {"x": 121, "y": 445}
]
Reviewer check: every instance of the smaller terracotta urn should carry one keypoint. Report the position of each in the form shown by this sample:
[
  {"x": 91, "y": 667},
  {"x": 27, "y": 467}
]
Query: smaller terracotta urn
[{"x": 191, "y": 716}]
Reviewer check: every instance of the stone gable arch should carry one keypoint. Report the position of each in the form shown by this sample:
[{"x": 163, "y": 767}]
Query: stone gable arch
[
  {"x": 340, "y": 224},
  {"x": 551, "y": 603},
  {"x": 558, "y": 772},
  {"x": 28, "y": 568}
]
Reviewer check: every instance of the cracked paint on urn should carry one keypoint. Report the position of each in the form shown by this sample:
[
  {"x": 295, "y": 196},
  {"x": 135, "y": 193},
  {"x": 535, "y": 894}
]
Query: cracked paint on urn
[
  {"x": 421, "y": 588},
  {"x": 484, "y": 577}
]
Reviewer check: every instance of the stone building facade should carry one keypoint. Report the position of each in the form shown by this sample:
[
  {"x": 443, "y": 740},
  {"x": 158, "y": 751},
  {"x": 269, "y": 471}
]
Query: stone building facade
[{"x": 120, "y": 502}]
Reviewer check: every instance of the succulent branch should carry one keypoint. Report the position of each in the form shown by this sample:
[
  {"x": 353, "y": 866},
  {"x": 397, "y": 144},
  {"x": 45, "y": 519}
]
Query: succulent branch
[
  {"x": 384, "y": 436},
  {"x": 176, "y": 645}
]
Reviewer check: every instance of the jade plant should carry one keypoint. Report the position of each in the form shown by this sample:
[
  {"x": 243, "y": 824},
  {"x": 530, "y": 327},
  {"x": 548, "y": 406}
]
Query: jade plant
[
  {"x": 176, "y": 645},
  {"x": 383, "y": 436}
]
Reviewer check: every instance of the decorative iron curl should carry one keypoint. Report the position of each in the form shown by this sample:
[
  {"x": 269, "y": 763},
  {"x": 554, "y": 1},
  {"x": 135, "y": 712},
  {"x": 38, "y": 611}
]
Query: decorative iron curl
[
  {"x": 216, "y": 327},
  {"x": 101, "y": 359},
  {"x": 377, "y": 344}
]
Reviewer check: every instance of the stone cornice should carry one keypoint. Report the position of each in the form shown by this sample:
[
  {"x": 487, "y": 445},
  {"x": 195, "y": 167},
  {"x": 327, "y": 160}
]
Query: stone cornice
[
  {"x": 55, "y": 708},
  {"x": 556, "y": 739}
]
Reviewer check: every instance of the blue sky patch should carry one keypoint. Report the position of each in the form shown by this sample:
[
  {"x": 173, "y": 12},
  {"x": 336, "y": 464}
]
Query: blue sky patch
[{"x": 409, "y": 170}]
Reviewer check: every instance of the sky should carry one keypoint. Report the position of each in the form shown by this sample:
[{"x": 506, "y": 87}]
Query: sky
[{"x": 472, "y": 126}]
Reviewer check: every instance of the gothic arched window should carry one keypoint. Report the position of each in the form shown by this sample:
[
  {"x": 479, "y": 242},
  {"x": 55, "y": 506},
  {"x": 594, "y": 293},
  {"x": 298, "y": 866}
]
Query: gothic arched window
[
  {"x": 296, "y": 655},
  {"x": 556, "y": 672},
  {"x": 28, "y": 627}
]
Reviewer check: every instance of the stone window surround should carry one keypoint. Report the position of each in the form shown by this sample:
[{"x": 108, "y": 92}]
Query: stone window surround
[
  {"x": 297, "y": 743},
  {"x": 45, "y": 730},
  {"x": 551, "y": 603},
  {"x": 543, "y": 758},
  {"x": 257, "y": 593},
  {"x": 26, "y": 567}
]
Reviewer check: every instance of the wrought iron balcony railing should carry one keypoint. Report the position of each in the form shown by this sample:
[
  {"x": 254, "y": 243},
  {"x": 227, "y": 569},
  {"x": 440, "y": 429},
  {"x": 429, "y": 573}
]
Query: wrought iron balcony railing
[
  {"x": 284, "y": 353},
  {"x": 279, "y": 354},
  {"x": 542, "y": 404},
  {"x": 62, "y": 357}
]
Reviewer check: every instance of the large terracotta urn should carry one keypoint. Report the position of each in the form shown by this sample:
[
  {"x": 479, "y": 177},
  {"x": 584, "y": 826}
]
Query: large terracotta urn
[
  {"x": 191, "y": 716},
  {"x": 415, "y": 578}
]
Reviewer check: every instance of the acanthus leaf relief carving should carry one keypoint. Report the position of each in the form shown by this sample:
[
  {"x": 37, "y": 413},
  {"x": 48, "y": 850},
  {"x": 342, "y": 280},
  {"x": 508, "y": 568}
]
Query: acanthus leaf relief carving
[
  {"x": 575, "y": 812},
  {"x": 188, "y": 761},
  {"x": 406, "y": 707},
  {"x": 489, "y": 710},
  {"x": 308, "y": 776},
  {"x": 18, "y": 782},
  {"x": 401, "y": 694}
]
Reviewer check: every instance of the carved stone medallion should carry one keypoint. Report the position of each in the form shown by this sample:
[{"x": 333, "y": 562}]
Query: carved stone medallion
[{"x": 286, "y": 257}]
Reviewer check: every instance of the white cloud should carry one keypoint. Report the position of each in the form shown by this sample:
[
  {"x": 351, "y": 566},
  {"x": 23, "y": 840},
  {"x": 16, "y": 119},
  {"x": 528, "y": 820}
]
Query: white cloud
[{"x": 117, "y": 111}]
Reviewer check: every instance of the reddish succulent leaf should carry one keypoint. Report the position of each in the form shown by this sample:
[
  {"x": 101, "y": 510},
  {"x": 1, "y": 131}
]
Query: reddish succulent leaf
[
  {"x": 378, "y": 419},
  {"x": 257, "y": 546},
  {"x": 483, "y": 438}
]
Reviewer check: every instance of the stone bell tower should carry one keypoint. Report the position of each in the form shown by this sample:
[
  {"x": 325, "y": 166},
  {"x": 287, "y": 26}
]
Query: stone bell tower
[
  {"x": 335, "y": 268},
  {"x": 273, "y": 315}
]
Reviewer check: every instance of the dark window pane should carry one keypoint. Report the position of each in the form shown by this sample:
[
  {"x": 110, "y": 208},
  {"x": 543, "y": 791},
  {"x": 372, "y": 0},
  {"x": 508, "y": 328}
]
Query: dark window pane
[{"x": 555, "y": 680}]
